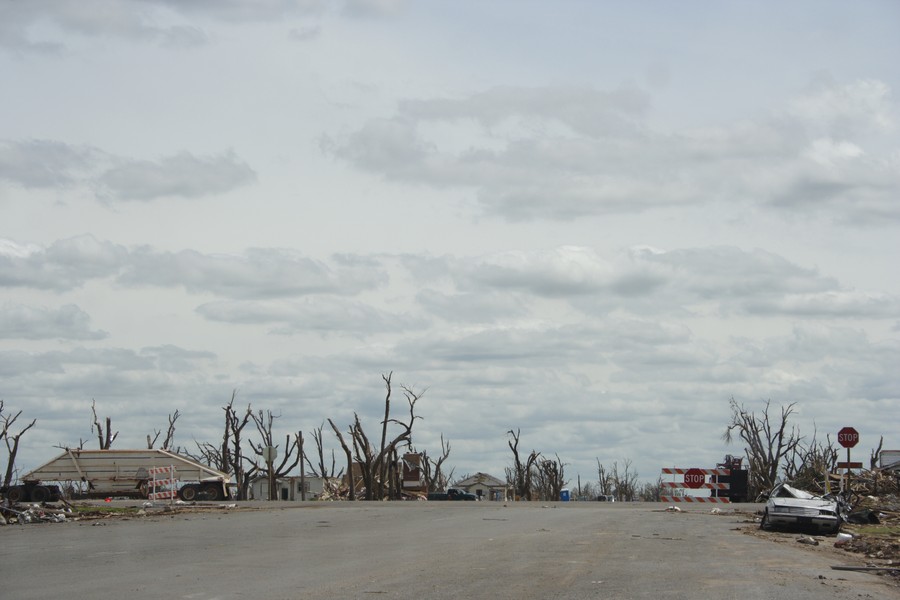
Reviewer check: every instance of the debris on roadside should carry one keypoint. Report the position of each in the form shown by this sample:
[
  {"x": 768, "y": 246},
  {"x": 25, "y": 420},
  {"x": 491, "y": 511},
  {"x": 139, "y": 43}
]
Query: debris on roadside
[
  {"x": 841, "y": 539},
  {"x": 36, "y": 513},
  {"x": 809, "y": 540},
  {"x": 893, "y": 570}
]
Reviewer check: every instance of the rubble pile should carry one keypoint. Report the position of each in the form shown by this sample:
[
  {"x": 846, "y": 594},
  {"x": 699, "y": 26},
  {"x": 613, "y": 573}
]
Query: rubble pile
[
  {"x": 877, "y": 533},
  {"x": 876, "y": 482},
  {"x": 35, "y": 513}
]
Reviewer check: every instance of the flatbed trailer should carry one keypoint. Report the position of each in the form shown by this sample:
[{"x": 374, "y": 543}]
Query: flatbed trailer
[{"x": 118, "y": 473}]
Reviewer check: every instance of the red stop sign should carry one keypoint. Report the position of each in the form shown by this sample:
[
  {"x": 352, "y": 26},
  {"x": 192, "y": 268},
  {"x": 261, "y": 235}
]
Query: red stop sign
[
  {"x": 848, "y": 437},
  {"x": 694, "y": 478}
]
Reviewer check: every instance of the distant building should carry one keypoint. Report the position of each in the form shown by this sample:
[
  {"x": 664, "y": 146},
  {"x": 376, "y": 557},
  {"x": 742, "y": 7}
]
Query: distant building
[
  {"x": 288, "y": 488},
  {"x": 890, "y": 460},
  {"x": 486, "y": 487},
  {"x": 413, "y": 477}
]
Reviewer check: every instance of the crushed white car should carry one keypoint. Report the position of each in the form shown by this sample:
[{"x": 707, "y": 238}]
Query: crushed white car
[{"x": 791, "y": 508}]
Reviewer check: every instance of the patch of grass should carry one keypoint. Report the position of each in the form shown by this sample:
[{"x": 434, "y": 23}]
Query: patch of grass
[{"x": 882, "y": 530}]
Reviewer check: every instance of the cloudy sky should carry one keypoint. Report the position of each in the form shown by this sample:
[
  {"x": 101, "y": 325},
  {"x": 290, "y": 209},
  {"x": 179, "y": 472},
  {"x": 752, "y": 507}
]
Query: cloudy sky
[{"x": 596, "y": 222}]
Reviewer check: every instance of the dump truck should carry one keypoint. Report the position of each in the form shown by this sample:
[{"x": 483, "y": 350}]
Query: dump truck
[{"x": 130, "y": 473}]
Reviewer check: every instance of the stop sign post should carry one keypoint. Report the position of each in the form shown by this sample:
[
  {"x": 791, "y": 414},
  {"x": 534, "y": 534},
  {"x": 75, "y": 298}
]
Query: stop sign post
[
  {"x": 848, "y": 437},
  {"x": 694, "y": 478}
]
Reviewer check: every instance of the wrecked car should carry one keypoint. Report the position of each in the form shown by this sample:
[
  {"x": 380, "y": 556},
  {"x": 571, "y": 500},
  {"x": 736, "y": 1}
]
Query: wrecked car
[{"x": 792, "y": 508}]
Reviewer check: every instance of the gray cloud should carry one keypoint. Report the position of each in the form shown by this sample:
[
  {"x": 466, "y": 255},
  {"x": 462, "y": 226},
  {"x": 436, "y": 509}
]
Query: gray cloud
[
  {"x": 64, "y": 265},
  {"x": 46, "y": 163},
  {"x": 161, "y": 21},
  {"x": 51, "y": 164},
  {"x": 640, "y": 281},
  {"x": 373, "y": 8},
  {"x": 584, "y": 110},
  {"x": 260, "y": 273},
  {"x": 38, "y": 323},
  {"x": 324, "y": 315},
  {"x": 471, "y": 307},
  {"x": 563, "y": 153},
  {"x": 831, "y": 304},
  {"x": 94, "y": 365},
  {"x": 183, "y": 175},
  {"x": 239, "y": 11}
]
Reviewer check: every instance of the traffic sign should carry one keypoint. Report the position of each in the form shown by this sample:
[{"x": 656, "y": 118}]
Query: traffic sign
[
  {"x": 849, "y": 465},
  {"x": 694, "y": 478},
  {"x": 848, "y": 437}
]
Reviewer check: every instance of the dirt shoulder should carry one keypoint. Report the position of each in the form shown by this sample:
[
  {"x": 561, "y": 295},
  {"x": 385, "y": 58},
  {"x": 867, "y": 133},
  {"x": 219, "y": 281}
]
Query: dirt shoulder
[{"x": 874, "y": 546}]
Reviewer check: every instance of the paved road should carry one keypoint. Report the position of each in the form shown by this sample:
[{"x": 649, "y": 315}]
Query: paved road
[{"x": 422, "y": 550}]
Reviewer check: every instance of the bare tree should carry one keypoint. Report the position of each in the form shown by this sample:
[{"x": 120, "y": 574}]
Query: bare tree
[
  {"x": 519, "y": 476},
  {"x": 605, "y": 480},
  {"x": 349, "y": 454},
  {"x": 436, "y": 479},
  {"x": 807, "y": 465},
  {"x": 650, "y": 492},
  {"x": 876, "y": 454},
  {"x": 105, "y": 436},
  {"x": 549, "y": 478},
  {"x": 288, "y": 460},
  {"x": 170, "y": 433},
  {"x": 11, "y": 440},
  {"x": 625, "y": 481},
  {"x": 378, "y": 465},
  {"x": 873, "y": 463},
  {"x": 322, "y": 469},
  {"x": 767, "y": 442},
  {"x": 227, "y": 456}
]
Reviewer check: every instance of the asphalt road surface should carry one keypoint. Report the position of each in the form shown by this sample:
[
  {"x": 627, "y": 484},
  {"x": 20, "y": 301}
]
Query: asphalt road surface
[{"x": 422, "y": 550}]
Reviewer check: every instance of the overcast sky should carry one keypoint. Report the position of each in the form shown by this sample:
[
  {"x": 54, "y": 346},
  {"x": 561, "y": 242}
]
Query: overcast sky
[{"x": 596, "y": 222}]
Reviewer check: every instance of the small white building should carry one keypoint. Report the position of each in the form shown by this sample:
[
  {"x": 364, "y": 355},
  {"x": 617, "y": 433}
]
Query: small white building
[
  {"x": 289, "y": 488},
  {"x": 486, "y": 487}
]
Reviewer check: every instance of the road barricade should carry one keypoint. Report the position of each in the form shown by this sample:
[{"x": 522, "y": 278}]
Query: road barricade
[
  {"x": 695, "y": 479},
  {"x": 163, "y": 484}
]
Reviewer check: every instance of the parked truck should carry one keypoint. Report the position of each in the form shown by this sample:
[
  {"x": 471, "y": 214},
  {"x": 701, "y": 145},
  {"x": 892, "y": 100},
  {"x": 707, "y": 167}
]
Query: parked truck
[
  {"x": 452, "y": 494},
  {"x": 131, "y": 473}
]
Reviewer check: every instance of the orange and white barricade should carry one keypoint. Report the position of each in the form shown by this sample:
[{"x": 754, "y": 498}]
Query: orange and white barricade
[
  {"x": 163, "y": 484},
  {"x": 695, "y": 479}
]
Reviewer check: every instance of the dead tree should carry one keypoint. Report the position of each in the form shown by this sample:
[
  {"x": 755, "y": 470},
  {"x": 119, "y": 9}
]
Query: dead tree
[
  {"x": 170, "y": 433},
  {"x": 873, "y": 463},
  {"x": 876, "y": 454},
  {"x": 625, "y": 481},
  {"x": 227, "y": 456},
  {"x": 807, "y": 465},
  {"x": 767, "y": 442},
  {"x": 382, "y": 475},
  {"x": 105, "y": 437},
  {"x": 550, "y": 478},
  {"x": 650, "y": 492},
  {"x": 291, "y": 457},
  {"x": 7, "y": 420},
  {"x": 321, "y": 469},
  {"x": 605, "y": 483},
  {"x": 377, "y": 466},
  {"x": 349, "y": 455},
  {"x": 520, "y": 474},
  {"x": 433, "y": 469}
]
